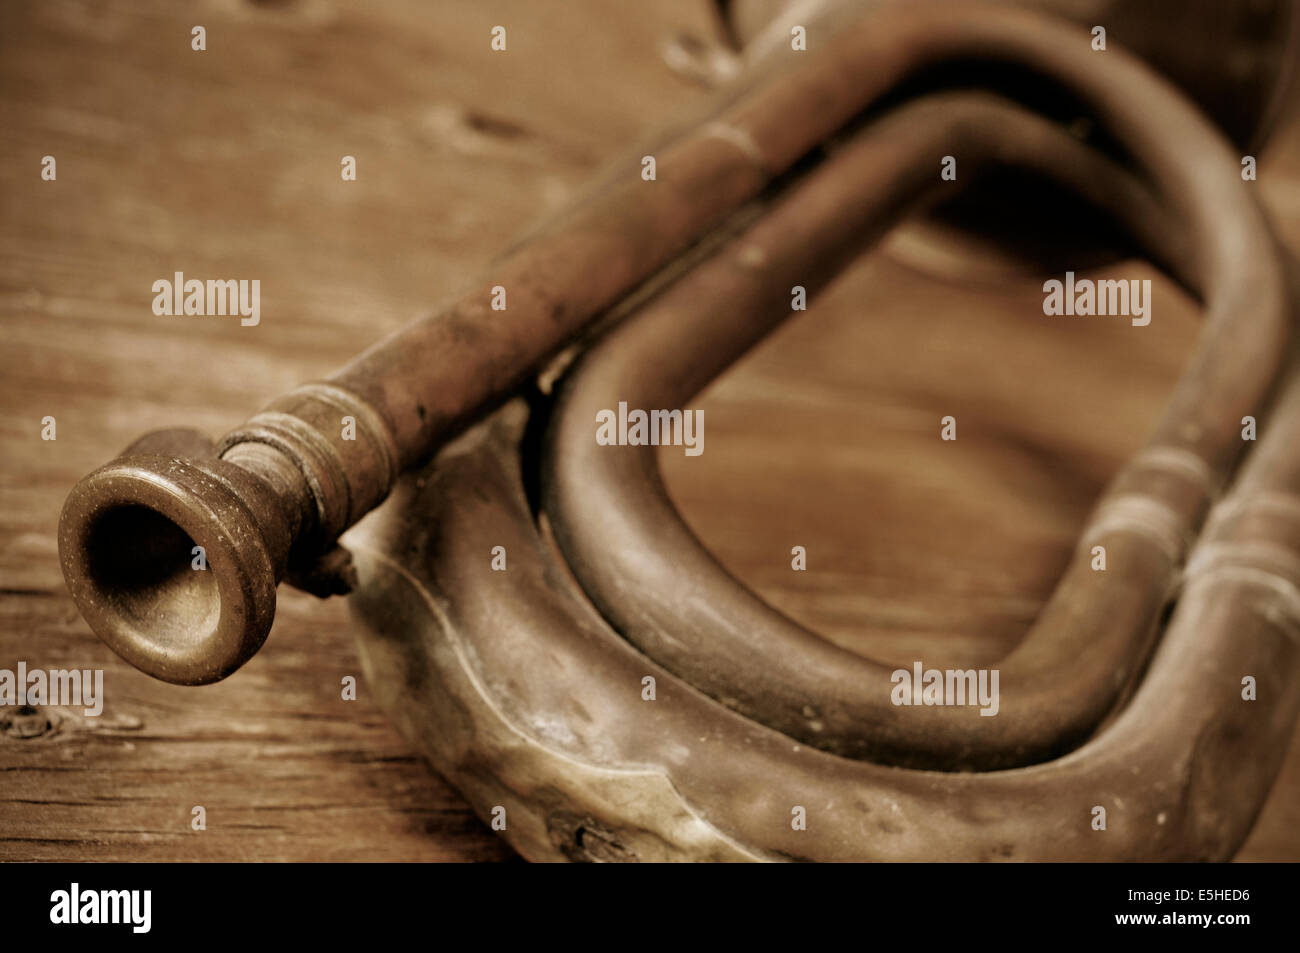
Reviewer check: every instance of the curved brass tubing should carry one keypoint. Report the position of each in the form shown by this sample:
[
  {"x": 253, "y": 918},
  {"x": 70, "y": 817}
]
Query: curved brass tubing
[{"x": 657, "y": 584}]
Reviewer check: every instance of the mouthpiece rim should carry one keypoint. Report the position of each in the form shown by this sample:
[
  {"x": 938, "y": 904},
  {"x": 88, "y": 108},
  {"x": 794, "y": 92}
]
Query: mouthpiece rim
[{"x": 127, "y": 538}]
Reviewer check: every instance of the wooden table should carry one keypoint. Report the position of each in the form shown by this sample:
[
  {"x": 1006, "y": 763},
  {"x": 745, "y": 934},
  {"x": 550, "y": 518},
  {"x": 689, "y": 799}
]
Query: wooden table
[{"x": 225, "y": 164}]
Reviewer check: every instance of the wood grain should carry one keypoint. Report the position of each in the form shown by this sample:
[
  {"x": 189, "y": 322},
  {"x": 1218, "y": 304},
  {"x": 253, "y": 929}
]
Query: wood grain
[{"x": 225, "y": 164}]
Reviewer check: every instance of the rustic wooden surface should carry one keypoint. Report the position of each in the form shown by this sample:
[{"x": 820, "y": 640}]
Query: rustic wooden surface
[{"x": 226, "y": 164}]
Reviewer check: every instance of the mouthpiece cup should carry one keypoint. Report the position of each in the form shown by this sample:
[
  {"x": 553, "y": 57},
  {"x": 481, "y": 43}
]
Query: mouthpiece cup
[{"x": 166, "y": 561}]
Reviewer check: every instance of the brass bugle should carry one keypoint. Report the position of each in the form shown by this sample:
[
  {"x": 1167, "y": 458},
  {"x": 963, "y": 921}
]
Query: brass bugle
[
  {"x": 522, "y": 688},
  {"x": 269, "y": 499}
]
